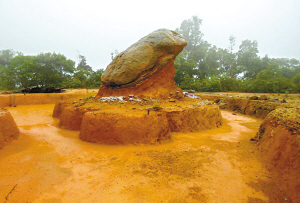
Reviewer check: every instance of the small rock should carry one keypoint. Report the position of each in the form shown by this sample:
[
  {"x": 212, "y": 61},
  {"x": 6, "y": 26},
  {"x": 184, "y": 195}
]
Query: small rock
[
  {"x": 217, "y": 101},
  {"x": 283, "y": 101},
  {"x": 263, "y": 97},
  {"x": 222, "y": 105},
  {"x": 253, "y": 98}
]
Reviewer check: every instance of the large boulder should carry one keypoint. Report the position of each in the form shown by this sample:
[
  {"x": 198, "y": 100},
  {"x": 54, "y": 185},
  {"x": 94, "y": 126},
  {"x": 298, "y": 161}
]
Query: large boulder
[{"x": 137, "y": 69}]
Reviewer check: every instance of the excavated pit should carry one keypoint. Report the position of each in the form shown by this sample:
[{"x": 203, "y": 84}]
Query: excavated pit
[
  {"x": 278, "y": 136},
  {"x": 136, "y": 122},
  {"x": 8, "y": 128}
]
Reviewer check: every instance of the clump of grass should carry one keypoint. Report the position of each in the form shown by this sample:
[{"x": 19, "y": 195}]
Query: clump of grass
[
  {"x": 87, "y": 98},
  {"x": 156, "y": 106}
]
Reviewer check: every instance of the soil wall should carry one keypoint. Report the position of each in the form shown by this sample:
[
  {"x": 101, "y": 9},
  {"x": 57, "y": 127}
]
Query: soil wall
[
  {"x": 41, "y": 98},
  {"x": 8, "y": 128},
  {"x": 257, "y": 108},
  {"x": 70, "y": 117},
  {"x": 195, "y": 119},
  {"x": 125, "y": 126},
  {"x": 124, "y": 129},
  {"x": 279, "y": 146}
]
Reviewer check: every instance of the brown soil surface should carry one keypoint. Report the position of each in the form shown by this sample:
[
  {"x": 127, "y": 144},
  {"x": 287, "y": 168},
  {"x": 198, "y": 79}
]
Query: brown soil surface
[
  {"x": 280, "y": 96},
  {"x": 49, "y": 164},
  {"x": 42, "y": 98}
]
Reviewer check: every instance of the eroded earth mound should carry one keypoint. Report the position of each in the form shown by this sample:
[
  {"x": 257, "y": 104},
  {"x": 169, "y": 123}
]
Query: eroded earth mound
[
  {"x": 138, "y": 121},
  {"x": 279, "y": 144},
  {"x": 8, "y": 128}
]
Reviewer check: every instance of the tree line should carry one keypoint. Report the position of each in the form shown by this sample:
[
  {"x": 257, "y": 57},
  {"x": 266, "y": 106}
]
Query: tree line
[
  {"x": 206, "y": 68},
  {"x": 200, "y": 66},
  {"x": 45, "y": 70}
]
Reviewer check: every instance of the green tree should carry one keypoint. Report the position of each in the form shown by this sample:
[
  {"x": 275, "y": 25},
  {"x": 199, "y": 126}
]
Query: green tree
[
  {"x": 190, "y": 30},
  {"x": 247, "y": 59},
  {"x": 184, "y": 67},
  {"x": 6, "y": 56},
  {"x": 271, "y": 80},
  {"x": 95, "y": 79},
  {"x": 228, "y": 63},
  {"x": 83, "y": 64},
  {"x": 7, "y": 77},
  {"x": 82, "y": 75},
  {"x": 51, "y": 69},
  {"x": 296, "y": 83},
  {"x": 231, "y": 43},
  {"x": 114, "y": 54}
]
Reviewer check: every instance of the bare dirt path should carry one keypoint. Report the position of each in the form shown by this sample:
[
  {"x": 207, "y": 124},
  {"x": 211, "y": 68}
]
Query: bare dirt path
[{"x": 48, "y": 164}]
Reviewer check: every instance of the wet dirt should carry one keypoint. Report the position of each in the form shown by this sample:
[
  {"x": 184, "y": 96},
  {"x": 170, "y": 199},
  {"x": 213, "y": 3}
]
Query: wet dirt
[{"x": 49, "y": 164}]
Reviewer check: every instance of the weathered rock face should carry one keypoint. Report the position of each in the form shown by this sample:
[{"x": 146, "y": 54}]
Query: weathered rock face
[
  {"x": 142, "y": 62},
  {"x": 8, "y": 128}
]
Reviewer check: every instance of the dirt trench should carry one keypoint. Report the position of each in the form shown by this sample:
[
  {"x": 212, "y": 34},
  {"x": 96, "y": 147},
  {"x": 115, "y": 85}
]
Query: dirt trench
[{"x": 49, "y": 164}]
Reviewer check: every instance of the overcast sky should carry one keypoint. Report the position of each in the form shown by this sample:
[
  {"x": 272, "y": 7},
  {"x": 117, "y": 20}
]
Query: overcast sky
[{"x": 97, "y": 28}]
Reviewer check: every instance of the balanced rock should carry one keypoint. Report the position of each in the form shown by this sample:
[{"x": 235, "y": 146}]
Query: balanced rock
[{"x": 145, "y": 68}]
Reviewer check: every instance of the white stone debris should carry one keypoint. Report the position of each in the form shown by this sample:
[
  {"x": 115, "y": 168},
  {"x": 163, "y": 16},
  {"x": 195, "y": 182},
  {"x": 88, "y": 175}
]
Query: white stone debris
[
  {"x": 133, "y": 99},
  {"x": 111, "y": 99},
  {"x": 190, "y": 95},
  {"x": 119, "y": 99}
]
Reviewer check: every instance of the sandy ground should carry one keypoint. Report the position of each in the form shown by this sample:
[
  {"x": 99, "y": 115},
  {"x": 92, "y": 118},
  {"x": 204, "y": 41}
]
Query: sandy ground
[{"x": 48, "y": 164}]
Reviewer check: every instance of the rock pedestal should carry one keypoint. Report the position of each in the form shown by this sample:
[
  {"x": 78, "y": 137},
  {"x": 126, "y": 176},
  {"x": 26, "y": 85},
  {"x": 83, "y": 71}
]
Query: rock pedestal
[
  {"x": 145, "y": 68},
  {"x": 144, "y": 74}
]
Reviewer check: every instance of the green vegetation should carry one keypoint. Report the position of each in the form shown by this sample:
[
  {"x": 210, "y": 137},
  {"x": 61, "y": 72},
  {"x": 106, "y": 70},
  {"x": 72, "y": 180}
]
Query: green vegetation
[
  {"x": 206, "y": 68},
  {"x": 200, "y": 66},
  {"x": 88, "y": 97},
  {"x": 45, "y": 70}
]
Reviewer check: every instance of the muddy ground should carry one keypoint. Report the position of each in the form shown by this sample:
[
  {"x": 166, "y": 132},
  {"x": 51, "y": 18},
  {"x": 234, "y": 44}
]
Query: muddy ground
[{"x": 49, "y": 164}]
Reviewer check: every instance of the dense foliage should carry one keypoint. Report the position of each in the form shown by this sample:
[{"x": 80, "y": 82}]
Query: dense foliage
[
  {"x": 203, "y": 67},
  {"x": 45, "y": 70},
  {"x": 200, "y": 66}
]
